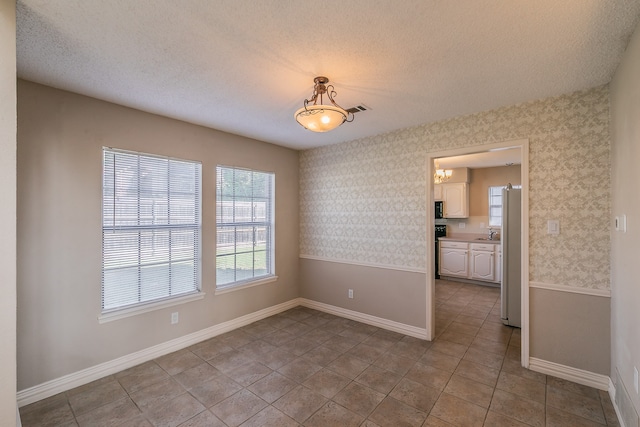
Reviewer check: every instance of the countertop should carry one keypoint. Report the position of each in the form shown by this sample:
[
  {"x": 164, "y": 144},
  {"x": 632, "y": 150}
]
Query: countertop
[{"x": 470, "y": 238}]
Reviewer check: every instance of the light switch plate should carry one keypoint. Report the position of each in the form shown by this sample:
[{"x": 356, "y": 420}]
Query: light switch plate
[
  {"x": 553, "y": 226},
  {"x": 621, "y": 223}
]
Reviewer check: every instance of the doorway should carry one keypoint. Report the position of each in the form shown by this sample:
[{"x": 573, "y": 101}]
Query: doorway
[{"x": 468, "y": 153}]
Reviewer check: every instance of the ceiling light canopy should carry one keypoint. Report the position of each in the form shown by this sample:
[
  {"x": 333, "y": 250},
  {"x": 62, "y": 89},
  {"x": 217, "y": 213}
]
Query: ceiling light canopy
[{"x": 317, "y": 116}]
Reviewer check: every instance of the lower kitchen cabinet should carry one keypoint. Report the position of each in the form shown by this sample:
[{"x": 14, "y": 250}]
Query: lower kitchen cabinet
[
  {"x": 454, "y": 259},
  {"x": 483, "y": 265},
  {"x": 475, "y": 261}
]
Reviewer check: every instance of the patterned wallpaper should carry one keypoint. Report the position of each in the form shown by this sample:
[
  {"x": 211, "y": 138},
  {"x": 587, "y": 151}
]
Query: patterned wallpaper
[{"x": 364, "y": 201}]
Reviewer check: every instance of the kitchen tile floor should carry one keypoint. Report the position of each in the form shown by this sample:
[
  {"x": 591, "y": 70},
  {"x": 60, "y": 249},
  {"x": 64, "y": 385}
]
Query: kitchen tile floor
[{"x": 305, "y": 367}]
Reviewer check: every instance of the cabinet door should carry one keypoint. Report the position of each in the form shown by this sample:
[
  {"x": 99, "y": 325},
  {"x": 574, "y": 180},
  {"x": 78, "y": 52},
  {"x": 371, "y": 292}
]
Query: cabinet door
[
  {"x": 482, "y": 265},
  {"x": 454, "y": 262},
  {"x": 456, "y": 200},
  {"x": 437, "y": 192}
]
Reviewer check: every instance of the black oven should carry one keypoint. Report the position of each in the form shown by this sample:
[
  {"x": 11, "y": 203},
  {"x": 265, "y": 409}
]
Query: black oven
[
  {"x": 440, "y": 231},
  {"x": 439, "y": 209}
]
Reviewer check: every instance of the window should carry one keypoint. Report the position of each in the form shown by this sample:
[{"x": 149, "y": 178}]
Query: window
[
  {"x": 151, "y": 228},
  {"x": 244, "y": 218},
  {"x": 495, "y": 205}
]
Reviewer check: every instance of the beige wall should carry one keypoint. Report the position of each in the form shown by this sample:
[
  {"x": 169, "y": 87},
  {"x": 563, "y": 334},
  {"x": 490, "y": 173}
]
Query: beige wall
[
  {"x": 8, "y": 212},
  {"x": 329, "y": 284},
  {"x": 625, "y": 290},
  {"x": 482, "y": 179},
  {"x": 60, "y": 140},
  {"x": 569, "y": 328}
]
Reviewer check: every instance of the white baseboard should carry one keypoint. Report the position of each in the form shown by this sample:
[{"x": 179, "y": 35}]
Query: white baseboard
[
  {"x": 590, "y": 379},
  {"x": 612, "y": 396},
  {"x": 85, "y": 376},
  {"x": 390, "y": 325}
]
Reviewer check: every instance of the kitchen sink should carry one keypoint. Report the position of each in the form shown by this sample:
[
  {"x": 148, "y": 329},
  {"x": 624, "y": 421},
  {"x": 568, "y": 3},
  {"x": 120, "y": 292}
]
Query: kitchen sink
[{"x": 487, "y": 239}]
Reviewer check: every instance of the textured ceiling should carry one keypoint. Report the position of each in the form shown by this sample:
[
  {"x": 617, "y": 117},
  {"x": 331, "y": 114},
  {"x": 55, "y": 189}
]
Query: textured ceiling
[{"x": 245, "y": 66}]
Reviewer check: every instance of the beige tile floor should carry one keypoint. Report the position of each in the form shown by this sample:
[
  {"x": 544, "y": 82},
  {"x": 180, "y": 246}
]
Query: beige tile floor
[{"x": 305, "y": 367}]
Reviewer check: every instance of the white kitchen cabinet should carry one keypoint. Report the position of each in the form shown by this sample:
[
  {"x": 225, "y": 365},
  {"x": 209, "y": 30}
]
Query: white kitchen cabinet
[
  {"x": 482, "y": 262},
  {"x": 456, "y": 200},
  {"x": 454, "y": 259},
  {"x": 471, "y": 260},
  {"x": 437, "y": 192}
]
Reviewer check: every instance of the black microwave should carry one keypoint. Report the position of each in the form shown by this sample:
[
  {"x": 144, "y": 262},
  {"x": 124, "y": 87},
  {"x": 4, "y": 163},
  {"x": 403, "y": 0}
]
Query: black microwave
[{"x": 439, "y": 209}]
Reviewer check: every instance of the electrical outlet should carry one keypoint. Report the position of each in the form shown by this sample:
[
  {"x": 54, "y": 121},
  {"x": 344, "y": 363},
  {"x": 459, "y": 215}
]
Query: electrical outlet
[
  {"x": 482, "y": 225},
  {"x": 635, "y": 379},
  {"x": 462, "y": 225},
  {"x": 350, "y": 293},
  {"x": 621, "y": 223},
  {"x": 174, "y": 318}
]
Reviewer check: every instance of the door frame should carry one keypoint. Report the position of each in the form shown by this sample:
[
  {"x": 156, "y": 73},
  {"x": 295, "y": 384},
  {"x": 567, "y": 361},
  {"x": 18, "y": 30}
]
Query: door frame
[{"x": 523, "y": 144}]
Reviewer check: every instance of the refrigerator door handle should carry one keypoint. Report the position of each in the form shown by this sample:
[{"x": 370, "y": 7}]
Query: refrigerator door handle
[
  {"x": 504, "y": 282},
  {"x": 503, "y": 300}
]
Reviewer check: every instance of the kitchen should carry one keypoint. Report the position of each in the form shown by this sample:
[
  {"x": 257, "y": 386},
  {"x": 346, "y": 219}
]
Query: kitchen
[{"x": 477, "y": 224}]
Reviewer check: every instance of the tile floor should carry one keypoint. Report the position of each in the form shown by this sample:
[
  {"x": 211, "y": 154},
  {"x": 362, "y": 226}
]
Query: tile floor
[{"x": 305, "y": 367}]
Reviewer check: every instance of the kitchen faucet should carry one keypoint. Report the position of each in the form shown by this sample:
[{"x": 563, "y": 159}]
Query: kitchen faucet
[{"x": 492, "y": 233}]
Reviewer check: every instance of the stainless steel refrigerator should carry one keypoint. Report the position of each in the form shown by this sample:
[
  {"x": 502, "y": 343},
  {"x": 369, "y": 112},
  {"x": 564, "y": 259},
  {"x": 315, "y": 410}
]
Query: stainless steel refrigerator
[{"x": 510, "y": 290}]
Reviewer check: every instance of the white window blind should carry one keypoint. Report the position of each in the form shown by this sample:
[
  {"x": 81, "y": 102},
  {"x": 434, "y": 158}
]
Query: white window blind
[
  {"x": 495, "y": 205},
  {"x": 244, "y": 218},
  {"x": 151, "y": 228}
]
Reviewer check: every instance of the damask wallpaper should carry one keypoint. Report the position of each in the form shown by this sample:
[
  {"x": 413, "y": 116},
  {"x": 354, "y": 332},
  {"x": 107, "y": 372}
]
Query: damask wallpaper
[{"x": 364, "y": 201}]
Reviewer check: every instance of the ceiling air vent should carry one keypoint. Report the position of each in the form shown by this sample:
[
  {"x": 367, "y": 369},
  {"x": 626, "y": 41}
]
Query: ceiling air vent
[{"x": 357, "y": 109}]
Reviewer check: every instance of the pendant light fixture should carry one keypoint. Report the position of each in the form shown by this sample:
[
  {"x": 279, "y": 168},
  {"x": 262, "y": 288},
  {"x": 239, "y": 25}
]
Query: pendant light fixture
[
  {"x": 441, "y": 175},
  {"x": 317, "y": 116}
]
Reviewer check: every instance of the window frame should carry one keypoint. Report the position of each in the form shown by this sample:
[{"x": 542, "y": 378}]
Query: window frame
[
  {"x": 222, "y": 213},
  {"x": 170, "y": 260}
]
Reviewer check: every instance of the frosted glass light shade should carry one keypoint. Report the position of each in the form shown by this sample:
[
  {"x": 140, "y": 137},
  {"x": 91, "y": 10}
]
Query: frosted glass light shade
[
  {"x": 444, "y": 173},
  {"x": 320, "y": 118}
]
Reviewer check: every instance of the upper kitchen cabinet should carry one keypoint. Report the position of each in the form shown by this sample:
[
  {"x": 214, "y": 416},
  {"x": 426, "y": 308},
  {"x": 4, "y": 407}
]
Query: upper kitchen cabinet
[
  {"x": 437, "y": 192},
  {"x": 456, "y": 199}
]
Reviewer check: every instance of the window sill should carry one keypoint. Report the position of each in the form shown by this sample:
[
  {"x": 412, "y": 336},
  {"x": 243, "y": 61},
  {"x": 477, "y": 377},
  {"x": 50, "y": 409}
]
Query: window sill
[
  {"x": 245, "y": 285},
  {"x": 146, "y": 308}
]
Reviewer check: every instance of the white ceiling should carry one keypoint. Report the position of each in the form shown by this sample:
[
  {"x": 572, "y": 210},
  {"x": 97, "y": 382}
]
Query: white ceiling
[{"x": 245, "y": 66}]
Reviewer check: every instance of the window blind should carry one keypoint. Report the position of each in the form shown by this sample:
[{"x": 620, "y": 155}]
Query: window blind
[
  {"x": 495, "y": 206},
  {"x": 244, "y": 218},
  {"x": 151, "y": 228}
]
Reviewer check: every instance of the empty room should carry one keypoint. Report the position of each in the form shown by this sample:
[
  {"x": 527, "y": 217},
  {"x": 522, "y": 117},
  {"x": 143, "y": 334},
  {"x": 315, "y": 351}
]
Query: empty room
[{"x": 274, "y": 213}]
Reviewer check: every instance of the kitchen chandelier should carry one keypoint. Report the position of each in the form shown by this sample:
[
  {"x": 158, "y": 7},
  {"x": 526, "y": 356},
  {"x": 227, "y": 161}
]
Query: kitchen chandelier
[
  {"x": 319, "y": 117},
  {"x": 441, "y": 175}
]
